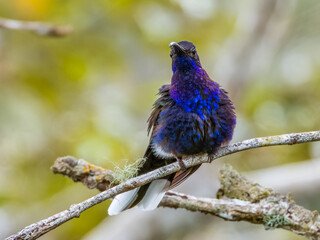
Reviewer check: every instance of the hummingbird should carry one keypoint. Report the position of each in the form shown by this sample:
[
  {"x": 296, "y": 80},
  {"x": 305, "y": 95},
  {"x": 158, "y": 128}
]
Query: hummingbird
[{"x": 193, "y": 115}]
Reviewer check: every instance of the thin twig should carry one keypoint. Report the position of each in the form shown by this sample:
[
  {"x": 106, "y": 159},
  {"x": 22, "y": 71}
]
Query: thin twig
[
  {"x": 39, "y": 28},
  {"x": 38, "y": 229}
]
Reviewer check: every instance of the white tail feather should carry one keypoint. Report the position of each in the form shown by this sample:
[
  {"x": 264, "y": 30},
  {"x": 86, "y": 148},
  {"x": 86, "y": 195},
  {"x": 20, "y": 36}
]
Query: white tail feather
[
  {"x": 122, "y": 201},
  {"x": 154, "y": 194}
]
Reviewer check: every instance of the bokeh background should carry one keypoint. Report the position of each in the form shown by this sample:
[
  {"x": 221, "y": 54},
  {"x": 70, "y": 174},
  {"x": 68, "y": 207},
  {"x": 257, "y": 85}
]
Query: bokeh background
[{"x": 89, "y": 95}]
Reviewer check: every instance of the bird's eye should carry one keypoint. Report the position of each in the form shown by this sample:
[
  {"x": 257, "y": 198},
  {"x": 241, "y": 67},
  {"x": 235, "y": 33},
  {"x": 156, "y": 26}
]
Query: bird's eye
[{"x": 193, "y": 52}]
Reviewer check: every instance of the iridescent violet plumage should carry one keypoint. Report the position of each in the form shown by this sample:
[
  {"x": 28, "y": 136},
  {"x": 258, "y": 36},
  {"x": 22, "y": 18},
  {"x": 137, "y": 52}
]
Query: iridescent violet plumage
[
  {"x": 192, "y": 115},
  {"x": 197, "y": 116}
]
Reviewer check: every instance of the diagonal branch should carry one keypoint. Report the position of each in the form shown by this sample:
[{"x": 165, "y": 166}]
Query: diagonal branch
[
  {"x": 39, "y": 28},
  {"x": 242, "y": 199},
  {"x": 38, "y": 229}
]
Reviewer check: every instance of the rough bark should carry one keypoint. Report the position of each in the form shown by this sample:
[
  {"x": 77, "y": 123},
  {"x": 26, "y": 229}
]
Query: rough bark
[{"x": 275, "y": 210}]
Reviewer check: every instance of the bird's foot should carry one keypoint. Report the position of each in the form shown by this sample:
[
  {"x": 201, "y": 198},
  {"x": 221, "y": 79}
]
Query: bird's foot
[
  {"x": 181, "y": 163},
  {"x": 211, "y": 157}
]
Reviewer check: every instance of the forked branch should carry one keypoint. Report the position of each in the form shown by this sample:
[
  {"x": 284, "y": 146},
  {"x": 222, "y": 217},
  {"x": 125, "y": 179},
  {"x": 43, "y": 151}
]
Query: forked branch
[{"x": 269, "y": 218}]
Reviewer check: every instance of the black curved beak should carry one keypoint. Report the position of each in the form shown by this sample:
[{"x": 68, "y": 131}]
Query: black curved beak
[{"x": 176, "y": 47}]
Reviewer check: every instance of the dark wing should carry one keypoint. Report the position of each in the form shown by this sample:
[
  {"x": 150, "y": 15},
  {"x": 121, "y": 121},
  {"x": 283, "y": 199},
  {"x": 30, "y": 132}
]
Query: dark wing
[{"x": 163, "y": 102}]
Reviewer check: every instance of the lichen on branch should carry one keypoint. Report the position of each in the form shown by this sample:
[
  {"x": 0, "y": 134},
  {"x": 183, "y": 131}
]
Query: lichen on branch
[
  {"x": 238, "y": 199},
  {"x": 260, "y": 205},
  {"x": 235, "y": 186}
]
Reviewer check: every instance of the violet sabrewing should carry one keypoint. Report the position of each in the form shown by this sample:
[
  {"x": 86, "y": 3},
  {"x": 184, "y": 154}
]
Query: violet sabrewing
[{"x": 193, "y": 115}]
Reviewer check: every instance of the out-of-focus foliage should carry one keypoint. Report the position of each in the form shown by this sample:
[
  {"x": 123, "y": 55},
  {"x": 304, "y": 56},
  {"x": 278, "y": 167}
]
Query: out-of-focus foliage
[{"x": 89, "y": 94}]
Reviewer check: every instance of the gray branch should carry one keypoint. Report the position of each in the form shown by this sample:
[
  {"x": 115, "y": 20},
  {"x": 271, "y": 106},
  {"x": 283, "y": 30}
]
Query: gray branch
[
  {"x": 242, "y": 200},
  {"x": 39, "y": 28},
  {"x": 36, "y": 230}
]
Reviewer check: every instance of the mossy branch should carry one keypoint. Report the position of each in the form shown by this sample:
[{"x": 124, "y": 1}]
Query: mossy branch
[
  {"x": 238, "y": 199},
  {"x": 257, "y": 204}
]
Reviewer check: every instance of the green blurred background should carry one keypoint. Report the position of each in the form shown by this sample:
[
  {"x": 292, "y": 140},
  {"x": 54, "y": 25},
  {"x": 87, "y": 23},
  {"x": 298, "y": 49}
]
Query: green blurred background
[{"x": 89, "y": 95}]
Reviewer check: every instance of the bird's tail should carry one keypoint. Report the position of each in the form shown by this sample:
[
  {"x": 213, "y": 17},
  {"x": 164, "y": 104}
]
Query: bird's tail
[{"x": 148, "y": 197}]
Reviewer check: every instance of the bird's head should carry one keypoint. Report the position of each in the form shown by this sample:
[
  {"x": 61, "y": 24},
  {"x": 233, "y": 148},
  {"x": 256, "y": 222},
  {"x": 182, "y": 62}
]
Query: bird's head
[{"x": 184, "y": 56}]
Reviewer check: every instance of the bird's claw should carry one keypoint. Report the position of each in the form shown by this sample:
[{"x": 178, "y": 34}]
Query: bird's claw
[{"x": 181, "y": 164}]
